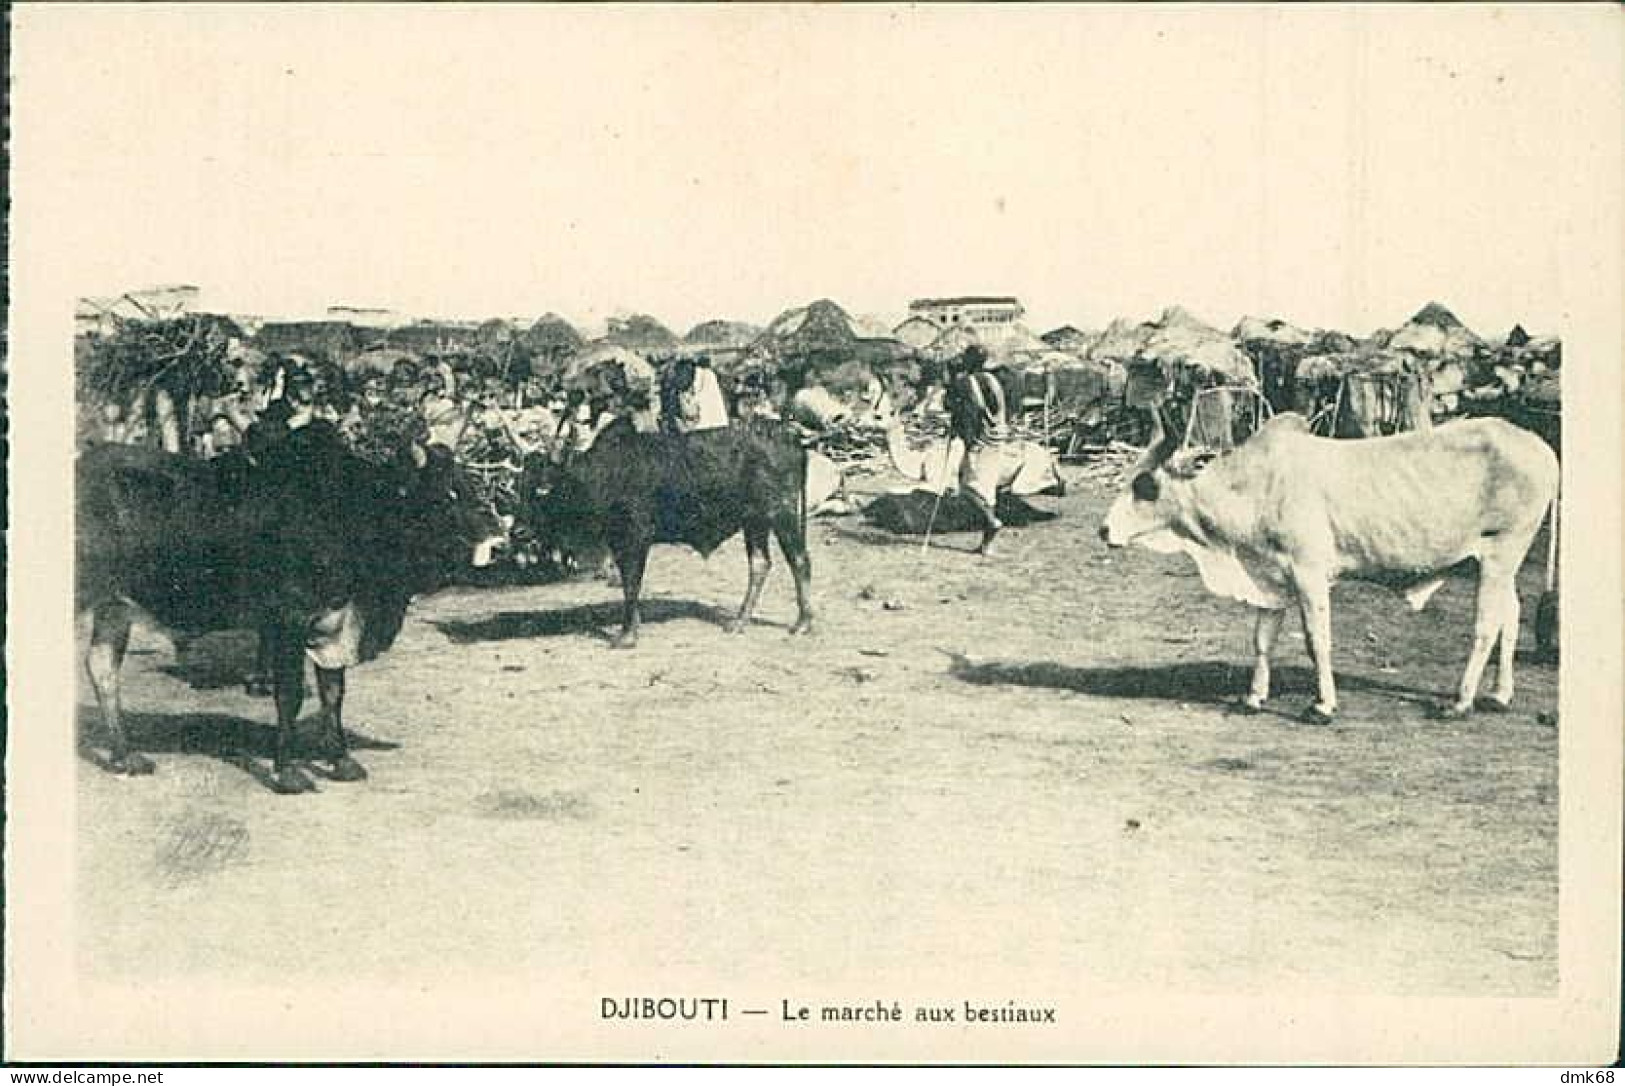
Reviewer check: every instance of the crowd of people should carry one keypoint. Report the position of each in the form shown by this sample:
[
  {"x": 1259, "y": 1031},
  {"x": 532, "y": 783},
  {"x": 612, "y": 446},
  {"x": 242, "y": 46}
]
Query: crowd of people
[{"x": 491, "y": 423}]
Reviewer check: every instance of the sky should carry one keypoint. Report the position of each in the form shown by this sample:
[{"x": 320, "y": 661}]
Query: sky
[{"x": 1337, "y": 167}]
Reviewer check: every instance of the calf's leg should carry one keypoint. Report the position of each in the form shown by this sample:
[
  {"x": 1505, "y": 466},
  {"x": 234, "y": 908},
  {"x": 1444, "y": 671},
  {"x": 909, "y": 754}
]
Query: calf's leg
[
  {"x": 630, "y": 560},
  {"x": 792, "y": 538},
  {"x": 287, "y": 660},
  {"x": 109, "y": 638},
  {"x": 330, "y": 689},
  {"x": 1266, "y": 626},
  {"x": 258, "y": 682},
  {"x": 760, "y": 559}
]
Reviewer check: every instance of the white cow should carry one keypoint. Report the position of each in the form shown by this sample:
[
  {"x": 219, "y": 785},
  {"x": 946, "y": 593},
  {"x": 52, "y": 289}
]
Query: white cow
[{"x": 1286, "y": 514}]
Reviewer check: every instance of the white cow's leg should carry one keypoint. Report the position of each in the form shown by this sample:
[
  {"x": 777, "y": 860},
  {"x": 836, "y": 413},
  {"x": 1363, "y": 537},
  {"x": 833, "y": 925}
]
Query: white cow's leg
[
  {"x": 1511, "y": 616},
  {"x": 1315, "y": 606},
  {"x": 1266, "y": 625},
  {"x": 1494, "y": 590}
]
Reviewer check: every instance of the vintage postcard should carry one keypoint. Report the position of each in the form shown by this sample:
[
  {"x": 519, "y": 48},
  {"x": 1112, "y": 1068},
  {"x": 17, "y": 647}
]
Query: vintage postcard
[{"x": 814, "y": 534}]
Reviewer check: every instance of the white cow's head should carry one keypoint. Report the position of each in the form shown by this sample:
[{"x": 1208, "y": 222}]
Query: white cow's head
[{"x": 1145, "y": 508}]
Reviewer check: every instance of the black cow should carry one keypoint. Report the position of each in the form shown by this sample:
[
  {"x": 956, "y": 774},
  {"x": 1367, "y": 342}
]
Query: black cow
[
  {"x": 633, "y": 489},
  {"x": 316, "y": 549}
]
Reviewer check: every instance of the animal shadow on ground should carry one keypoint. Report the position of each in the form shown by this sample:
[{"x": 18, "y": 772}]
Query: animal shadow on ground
[
  {"x": 599, "y": 620},
  {"x": 1206, "y": 682},
  {"x": 212, "y": 662},
  {"x": 244, "y": 744}
]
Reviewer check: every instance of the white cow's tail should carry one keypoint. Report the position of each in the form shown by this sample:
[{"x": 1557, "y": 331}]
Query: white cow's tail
[{"x": 1551, "y": 545}]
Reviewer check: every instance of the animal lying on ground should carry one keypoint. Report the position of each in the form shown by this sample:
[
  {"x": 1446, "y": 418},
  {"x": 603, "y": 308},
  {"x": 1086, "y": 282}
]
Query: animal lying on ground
[
  {"x": 1029, "y": 467},
  {"x": 826, "y": 486},
  {"x": 316, "y": 549},
  {"x": 632, "y": 490},
  {"x": 1280, "y": 519}
]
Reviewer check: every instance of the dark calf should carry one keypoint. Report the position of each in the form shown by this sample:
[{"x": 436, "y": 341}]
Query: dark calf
[{"x": 632, "y": 490}]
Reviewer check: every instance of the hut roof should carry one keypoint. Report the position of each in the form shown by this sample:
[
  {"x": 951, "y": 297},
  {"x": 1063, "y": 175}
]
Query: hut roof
[
  {"x": 953, "y": 342},
  {"x": 1178, "y": 338},
  {"x": 1340, "y": 363},
  {"x": 819, "y": 326},
  {"x": 381, "y": 358},
  {"x": 1071, "y": 339},
  {"x": 1120, "y": 342},
  {"x": 496, "y": 331},
  {"x": 1060, "y": 361},
  {"x": 721, "y": 333},
  {"x": 641, "y": 333},
  {"x": 813, "y": 341},
  {"x": 150, "y": 303},
  {"x": 551, "y": 334},
  {"x": 1434, "y": 331},
  {"x": 1272, "y": 330},
  {"x": 869, "y": 326},
  {"x": 338, "y": 339},
  {"x": 1544, "y": 345},
  {"x": 430, "y": 336},
  {"x": 820, "y": 331},
  {"x": 917, "y": 332}
]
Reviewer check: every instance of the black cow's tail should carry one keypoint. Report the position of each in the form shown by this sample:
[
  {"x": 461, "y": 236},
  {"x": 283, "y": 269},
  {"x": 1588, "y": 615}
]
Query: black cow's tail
[{"x": 806, "y": 473}]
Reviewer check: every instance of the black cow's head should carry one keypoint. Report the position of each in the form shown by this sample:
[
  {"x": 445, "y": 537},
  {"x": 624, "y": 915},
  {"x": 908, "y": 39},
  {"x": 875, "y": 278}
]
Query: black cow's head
[
  {"x": 450, "y": 521},
  {"x": 557, "y": 513}
]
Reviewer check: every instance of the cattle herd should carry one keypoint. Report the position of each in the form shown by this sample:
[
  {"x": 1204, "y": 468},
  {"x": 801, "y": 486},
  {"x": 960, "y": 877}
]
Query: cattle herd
[{"x": 320, "y": 551}]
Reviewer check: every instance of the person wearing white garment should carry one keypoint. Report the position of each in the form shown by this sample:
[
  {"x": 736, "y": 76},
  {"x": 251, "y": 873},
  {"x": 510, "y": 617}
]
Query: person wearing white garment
[{"x": 710, "y": 410}]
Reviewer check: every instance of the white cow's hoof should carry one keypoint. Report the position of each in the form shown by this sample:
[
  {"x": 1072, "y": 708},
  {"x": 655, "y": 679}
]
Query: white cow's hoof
[
  {"x": 1318, "y": 714},
  {"x": 1250, "y": 706}
]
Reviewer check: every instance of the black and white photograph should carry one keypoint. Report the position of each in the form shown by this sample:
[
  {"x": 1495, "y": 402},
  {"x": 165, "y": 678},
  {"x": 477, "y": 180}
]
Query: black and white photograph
[{"x": 963, "y": 534}]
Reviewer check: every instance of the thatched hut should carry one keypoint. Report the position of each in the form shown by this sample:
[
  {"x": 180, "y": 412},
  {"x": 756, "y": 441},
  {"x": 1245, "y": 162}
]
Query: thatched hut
[
  {"x": 1435, "y": 333},
  {"x": 916, "y": 332},
  {"x": 1361, "y": 390},
  {"x": 550, "y": 342},
  {"x": 1170, "y": 358},
  {"x": 714, "y": 335},
  {"x": 819, "y": 344},
  {"x": 642, "y": 334},
  {"x": 431, "y": 337},
  {"x": 1072, "y": 340},
  {"x": 1173, "y": 359},
  {"x": 724, "y": 342},
  {"x": 1276, "y": 348},
  {"x": 335, "y": 341}
]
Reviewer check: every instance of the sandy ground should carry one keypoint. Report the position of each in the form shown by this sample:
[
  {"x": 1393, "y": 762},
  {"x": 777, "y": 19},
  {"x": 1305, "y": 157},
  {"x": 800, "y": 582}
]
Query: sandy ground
[{"x": 1025, "y": 763}]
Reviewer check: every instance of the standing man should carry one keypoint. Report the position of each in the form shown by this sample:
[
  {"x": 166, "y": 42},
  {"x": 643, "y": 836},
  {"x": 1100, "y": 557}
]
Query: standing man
[
  {"x": 977, "y": 419},
  {"x": 710, "y": 408},
  {"x": 444, "y": 412}
]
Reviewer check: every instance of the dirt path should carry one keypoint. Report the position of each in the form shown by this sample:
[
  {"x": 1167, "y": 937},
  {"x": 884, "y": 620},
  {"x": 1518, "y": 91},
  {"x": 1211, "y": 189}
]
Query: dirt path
[{"x": 979, "y": 766}]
